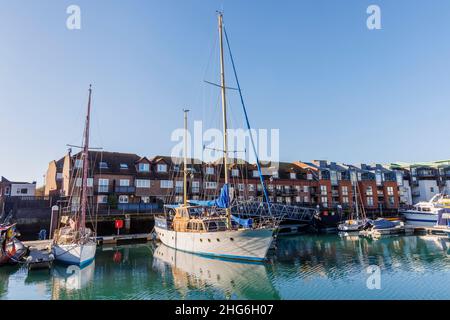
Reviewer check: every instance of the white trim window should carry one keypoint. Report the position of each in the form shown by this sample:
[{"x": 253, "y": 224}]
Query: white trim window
[
  {"x": 123, "y": 166},
  {"x": 345, "y": 200},
  {"x": 123, "y": 198},
  {"x": 305, "y": 199},
  {"x": 142, "y": 183},
  {"x": 370, "y": 201},
  {"x": 390, "y": 191},
  {"x": 102, "y": 199},
  {"x": 145, "y": 199},
  {"x": 298, "y": 199},
  {"x": 166, "y": 184},
  {"x": 309, "y": 176},
  {"x": 161, "y": 167},
  {"x": 235, "y": 172},
  {"x": 210, "y": 185},
  {"x": 143, "y": 167},
  {"x": 255, "y": 173},
  {"x": 369, "y": 191},
  {"x": 90, "y": 182},
  {"x": 344, "y": 190},
  {"x": 103, "y": 165},
  {"x": 209, "y": 170},
  {"x": 251, "y": 187},
  {"x": 78, "y": 163},
  {"x": 293, "y": 175},
  {"x": 306, "y": 189},
  {"x": 103, "y": 185},
  {"x": 323, "y": 190},
  {"x": 124, "y": 182},
  {"x": 240, "y": 186},
  {"x": 275, "y": 174}
]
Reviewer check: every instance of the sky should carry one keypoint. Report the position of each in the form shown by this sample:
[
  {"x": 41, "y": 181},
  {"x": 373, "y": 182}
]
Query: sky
[{"x": 310, "y": 68}]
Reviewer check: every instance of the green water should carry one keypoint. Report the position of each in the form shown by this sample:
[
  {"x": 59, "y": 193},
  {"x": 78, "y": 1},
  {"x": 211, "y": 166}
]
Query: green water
[{"x": 302, "y": 267}]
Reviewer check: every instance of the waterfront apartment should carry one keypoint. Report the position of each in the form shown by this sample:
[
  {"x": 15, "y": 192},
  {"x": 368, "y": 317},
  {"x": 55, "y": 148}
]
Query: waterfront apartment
[
  {"x": 133, "y": 183},
  {"x": 425, "y": 179},
  {"x": 16, "y": 189}
]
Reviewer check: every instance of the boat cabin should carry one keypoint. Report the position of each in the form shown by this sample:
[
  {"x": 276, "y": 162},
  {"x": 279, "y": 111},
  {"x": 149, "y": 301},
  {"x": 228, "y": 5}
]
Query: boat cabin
[{"x": 197, "y": 219}]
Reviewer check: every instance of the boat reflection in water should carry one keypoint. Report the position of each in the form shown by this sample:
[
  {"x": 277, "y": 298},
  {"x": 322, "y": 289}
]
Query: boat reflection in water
[
  {"x": 68, "y": 279},
  {"x": 234, "y": 279}
]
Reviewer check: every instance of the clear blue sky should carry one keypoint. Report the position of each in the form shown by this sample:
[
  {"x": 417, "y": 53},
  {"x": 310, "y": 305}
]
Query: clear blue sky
[{"x": 312, "y": 68}]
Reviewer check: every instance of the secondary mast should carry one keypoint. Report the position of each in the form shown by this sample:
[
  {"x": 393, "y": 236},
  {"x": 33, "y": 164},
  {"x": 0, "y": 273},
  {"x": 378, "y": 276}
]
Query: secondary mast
[
  {"x": 85, "y": 157},
  {"x": 185, "y": 158},
  {"x": 224, "y": 109}
]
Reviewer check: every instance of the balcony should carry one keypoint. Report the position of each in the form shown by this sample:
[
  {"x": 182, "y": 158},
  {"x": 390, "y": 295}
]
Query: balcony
[
  {"x": 125, "y": 189},
  {"x": 137, "y": 207},
  {"x": 195, "y": 190}
]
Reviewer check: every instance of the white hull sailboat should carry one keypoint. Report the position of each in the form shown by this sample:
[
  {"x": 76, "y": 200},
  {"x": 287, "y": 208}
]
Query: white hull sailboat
[
  {"x": 208, "y": 228},
  {"x": 73, "y": 243}
]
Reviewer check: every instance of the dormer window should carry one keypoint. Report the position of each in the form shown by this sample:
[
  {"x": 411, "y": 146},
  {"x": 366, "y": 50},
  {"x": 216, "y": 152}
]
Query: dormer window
[
  {"x": 78, "y": 163},
  {"x": 143, "y": 167},
  {"x": 123, "y": 166},
  {"x": 209, "y": 170},
  {"x": 103, "y": 165},
  {"x": 235, "y": 172},
  {"x": 161, "y": 168},
  {"x": 293, "y": 175}
]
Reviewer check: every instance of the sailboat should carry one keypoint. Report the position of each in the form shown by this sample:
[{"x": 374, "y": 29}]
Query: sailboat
[
  {"x": 208, "y": 228},
  {"x": 354, "y": 225},
  {"x": 73, "y": 243}
]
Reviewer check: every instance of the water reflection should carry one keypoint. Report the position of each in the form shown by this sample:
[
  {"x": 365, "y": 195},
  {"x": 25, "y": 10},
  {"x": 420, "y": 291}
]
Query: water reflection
[
  {"x": 302, "y": 267},
  {"x": 236, "y": 279}
]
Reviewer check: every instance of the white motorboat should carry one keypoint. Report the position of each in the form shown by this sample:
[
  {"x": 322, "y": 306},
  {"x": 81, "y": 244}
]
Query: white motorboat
[{"x": 425, "y": 213}]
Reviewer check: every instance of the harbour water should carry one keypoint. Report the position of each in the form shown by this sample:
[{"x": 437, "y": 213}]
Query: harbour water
[{"x": 302, "y": 267}]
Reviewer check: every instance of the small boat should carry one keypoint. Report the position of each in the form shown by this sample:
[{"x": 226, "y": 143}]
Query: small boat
[
  {"x": 380, "y": 227},
  {"x": 357, "y": 224},
  {"x": 74, "y": 243},
  {"x": 11, "y": 250},
  {"x": 425, "y": 213}
]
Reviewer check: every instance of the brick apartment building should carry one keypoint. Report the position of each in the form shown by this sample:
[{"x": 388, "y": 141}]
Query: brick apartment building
[{"x": 130, "y": 182}]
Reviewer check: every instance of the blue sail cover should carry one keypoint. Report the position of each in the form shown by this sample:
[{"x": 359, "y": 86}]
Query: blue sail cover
[
  {"x": 222, "y": 202},
  {"x": 246, "y": 223}
]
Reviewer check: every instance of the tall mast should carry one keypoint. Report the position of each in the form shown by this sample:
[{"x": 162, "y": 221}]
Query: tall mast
[
  {"x": 224, "y": 109},
  {"x": 185, "y": 157},
  {"x": 356, "y": 195},
  {"x": 85, "y": 157}
]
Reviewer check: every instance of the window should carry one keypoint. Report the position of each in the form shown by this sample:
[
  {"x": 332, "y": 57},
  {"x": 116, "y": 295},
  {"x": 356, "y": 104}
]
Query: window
[
  {"x": 145, "y": 199},
  {"x": 78, "y": 182},
  {"x": 288, "y": 200},
  {"x": 390, "y": 191},
  {"x": 235, "y": 172},
  {"x": 431, "y": 189},
  {"x": 22, "y": 191},
  {"x": 279, "y": 199},
  {"x": 124, "y": 183},
  {"x": 391, "y": 201},
  {"x": 251, "y": 187},
  {"x": 142, "y": 183},
  {"x": 210, "y": 185},
  {"x": 179, "y": 199},
  {"x": 370, "y": 201},
  {"x": 195, "y": 186},
  {"x": 78, "y": 163},
  {"x": 161, "y": 168},
  {"x": 143, "y": 167},
  {"x": 59, "y": 176},
  {"x": 123, "y": 199},
  {"x": 166, "y": 184},
  {"x": 103, "y": 185},
  {"x": 298, "y": 199},
  {"x": 345, "y": 200},
  {"x": 324, "y": 201},
  {"x": 255, "y": 173},
  {"x": 103, "y": 165},
  {"x": 369, "y": 191},
  {"x": 323, "y": 190},
  {"x": 293, "y": 175},
  {"x": 306, "y": 189},
  {"x": 209, "y": 170},
  {"x": 344, "y": 190},
  {"x": 309, "y": 176},
  {"x": 102, "y": 199},
  {"x": 333, "y": 177},
  {"x": 179, "y": 183},
  {"x": 275, "y": 174},
  {"x": 7, "y": 190},
  {"x": 123, "y": 166},
  {"x": 241, "y": 187}
]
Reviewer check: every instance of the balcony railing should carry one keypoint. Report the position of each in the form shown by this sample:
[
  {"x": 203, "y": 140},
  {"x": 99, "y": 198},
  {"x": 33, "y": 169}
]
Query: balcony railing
[{"x": 137, "y": 206}]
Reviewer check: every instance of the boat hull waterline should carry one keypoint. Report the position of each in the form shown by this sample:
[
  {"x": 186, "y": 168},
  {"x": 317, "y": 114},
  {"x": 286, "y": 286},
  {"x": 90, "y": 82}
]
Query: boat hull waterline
[
  {"x": 244, "y": 244},
  {"x": 420, "y": 218}
]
